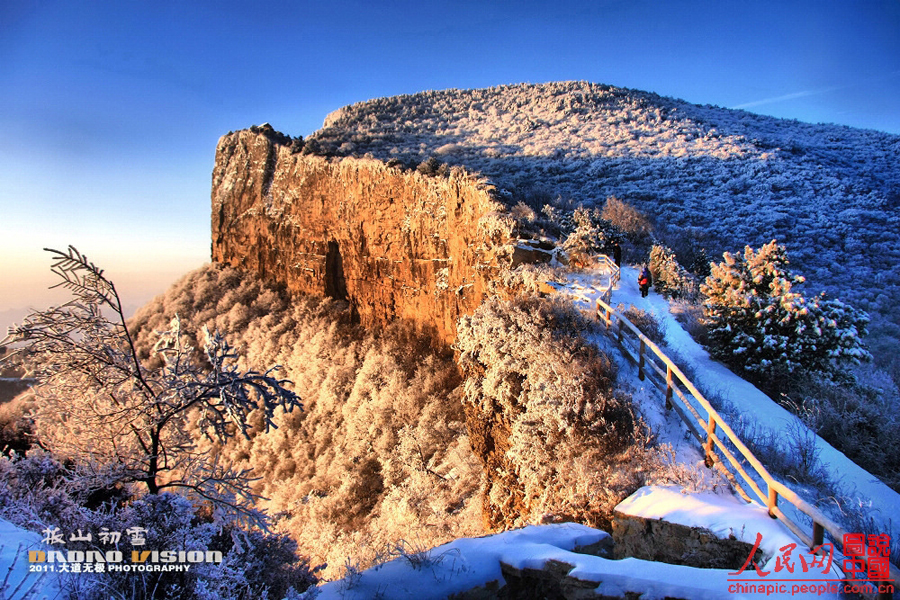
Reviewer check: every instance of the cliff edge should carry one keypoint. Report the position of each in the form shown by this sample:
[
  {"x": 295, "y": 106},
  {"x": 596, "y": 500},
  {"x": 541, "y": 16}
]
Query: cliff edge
[{"x": 392, "y": 243}]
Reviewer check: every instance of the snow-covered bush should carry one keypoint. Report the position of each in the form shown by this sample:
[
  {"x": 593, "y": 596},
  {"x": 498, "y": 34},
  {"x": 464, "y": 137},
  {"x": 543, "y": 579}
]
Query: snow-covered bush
[
  {"x": 690, "y": 316},
  {"x": 432, "y": 167},
  {"x": 560, "y": 429},
  {"x": 560, "y": 220},
  {"x": 525, "y": 279},
  {"x": 762, "y": 327},
  {"x": 632, "y": 222},
  {"x": 17, "y": 424},
  {"x": 645, "y": 321},
  {"x": 36, "y": 490},
  {"x": 35, "y": 493},
  {"x": 592, "y": 235},
  {"x": 859, "y": 420},
  {"x": 497, "y": 228},
  {"x": 669, "y": 278}
]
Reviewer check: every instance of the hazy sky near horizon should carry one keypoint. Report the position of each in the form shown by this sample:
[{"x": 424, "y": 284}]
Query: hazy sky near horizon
[{"x": 110, "y": 111}]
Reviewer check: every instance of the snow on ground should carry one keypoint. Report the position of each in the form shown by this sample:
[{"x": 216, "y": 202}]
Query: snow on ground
[
  {"x": 752, "y": 407},
  {"x": 467, "y": 563},
  {"x": 728, "y": 516},
  {"x": 751, "y": 404},
  {"x": 14, "y": 568}
]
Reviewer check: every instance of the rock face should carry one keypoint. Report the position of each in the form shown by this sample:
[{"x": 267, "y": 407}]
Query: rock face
[
  {"x": 392, "y": 243},
  {"x": 662, "y": 541}
]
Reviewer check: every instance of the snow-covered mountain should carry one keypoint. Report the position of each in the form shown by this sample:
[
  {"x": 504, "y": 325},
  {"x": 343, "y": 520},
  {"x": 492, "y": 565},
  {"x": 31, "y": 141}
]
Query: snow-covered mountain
[{"x": 713, "y": 177}]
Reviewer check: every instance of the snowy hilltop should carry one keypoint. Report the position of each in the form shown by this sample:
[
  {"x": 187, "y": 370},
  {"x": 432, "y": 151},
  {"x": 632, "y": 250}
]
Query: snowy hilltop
[{"x": 714, "y": 178}]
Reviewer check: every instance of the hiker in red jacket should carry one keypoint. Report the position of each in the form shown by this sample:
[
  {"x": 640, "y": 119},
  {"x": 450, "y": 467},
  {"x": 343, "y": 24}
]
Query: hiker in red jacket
[{"x": 645, "y": 279}]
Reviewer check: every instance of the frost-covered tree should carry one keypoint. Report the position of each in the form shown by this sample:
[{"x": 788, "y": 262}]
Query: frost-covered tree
[
  {"x": 669, "y": 278},
  {"x": 760, "y": 325},
  {"x": 124, "y": 420},
  {"x": 592, "y": 234},
  {"x": 628, "y": 219}
]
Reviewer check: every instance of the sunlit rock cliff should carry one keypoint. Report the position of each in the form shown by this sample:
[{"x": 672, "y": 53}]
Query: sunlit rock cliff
[{"x": 392, "y": 243}]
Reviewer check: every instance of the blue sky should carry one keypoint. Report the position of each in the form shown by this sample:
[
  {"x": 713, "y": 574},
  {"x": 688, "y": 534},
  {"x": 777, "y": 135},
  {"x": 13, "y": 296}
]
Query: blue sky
[{"x": 110, "y": 111}]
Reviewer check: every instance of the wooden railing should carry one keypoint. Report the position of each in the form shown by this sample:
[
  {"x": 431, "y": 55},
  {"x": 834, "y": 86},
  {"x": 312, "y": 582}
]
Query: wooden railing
[
  {"x": 606, "y": 292},
  {"x": 712, "y": 432}
]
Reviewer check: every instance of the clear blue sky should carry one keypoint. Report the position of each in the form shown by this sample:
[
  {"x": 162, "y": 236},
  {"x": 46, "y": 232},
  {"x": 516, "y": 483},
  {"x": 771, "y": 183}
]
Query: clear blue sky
[{"x": 110, "y": 111}]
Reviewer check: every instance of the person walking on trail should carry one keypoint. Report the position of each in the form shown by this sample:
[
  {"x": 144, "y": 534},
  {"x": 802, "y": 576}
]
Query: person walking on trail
[
  {"x": 645, "y": 279},
  {"x": 617, "y": 254}
]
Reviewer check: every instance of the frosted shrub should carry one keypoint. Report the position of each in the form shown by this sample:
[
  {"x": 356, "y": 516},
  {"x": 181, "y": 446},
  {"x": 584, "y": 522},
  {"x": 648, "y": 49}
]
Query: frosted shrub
[
  {"x": 764, "y": 329},
  {"x": 430, "y": 167},
  {"x": 690, "y": 316},
  {"x": 669, "y": 278},
  {"x": 380, "y": 452},
  {"x": 35, "y": 490},
  {"x": 860, "y": 421},
  {"x": 523, "y": 213},
  {"x": 627, "y": 219},
  {"x": 550, "y": 399},
  {"x": 592, "y": 235},
  {"x": 646, "y": 322},
  {"x": 497, "y": 228},
  {"x": 527, "y": 279},
  {"x": 17, "y": 424},
  {"x": 560, "y": 220}
]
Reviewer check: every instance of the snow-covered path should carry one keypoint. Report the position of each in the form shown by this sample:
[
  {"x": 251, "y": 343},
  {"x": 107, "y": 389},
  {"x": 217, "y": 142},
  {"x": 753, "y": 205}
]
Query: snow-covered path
[{"x": 749, "y": 403}]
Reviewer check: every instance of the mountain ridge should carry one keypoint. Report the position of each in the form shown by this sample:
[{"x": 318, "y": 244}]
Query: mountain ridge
[{"x": 710, "y": 177}]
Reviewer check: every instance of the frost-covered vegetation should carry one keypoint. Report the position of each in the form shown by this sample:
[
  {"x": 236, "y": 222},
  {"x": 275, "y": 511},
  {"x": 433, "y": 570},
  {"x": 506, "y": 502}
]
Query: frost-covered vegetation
[
  {"x": 120, "y": 420},
  {"x": 719, "y": 178},
  {"x": 380, "y": 452},
  {"x": 40, "y": 493},
  {"x": 760, "y": 325},
  {"x": 112, "y": 432},
  {"x": 563, "y": 442},
  {"x": 379, "y": 461}
]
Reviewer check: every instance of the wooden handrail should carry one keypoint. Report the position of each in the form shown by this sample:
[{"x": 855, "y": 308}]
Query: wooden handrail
[
  {"x": 714, "y": 423},
  {"x": 615, "y": 274}
]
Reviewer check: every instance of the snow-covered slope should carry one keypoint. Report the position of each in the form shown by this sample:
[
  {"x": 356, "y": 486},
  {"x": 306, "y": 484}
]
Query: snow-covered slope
[
  {"x": 746, "y": 407},
  {"x": 20, "y": 582},
  {"x": 718, "y": 178}
]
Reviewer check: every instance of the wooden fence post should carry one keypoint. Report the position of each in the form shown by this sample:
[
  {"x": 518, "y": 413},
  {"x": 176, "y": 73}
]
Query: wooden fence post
[
  {"x": 818, "y": 535},
  {"x": 708, "y": 446},
  {"x": 668, "y": 387},
  {"x": 641, "y": 359},
  {"x": 773, "y": 501}
]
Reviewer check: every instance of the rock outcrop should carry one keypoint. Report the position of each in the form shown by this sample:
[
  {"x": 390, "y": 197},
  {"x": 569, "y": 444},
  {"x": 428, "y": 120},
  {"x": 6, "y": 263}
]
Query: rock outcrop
[
  {"x": 662, "y": 541},
  {"x": 392, "y": 243}
]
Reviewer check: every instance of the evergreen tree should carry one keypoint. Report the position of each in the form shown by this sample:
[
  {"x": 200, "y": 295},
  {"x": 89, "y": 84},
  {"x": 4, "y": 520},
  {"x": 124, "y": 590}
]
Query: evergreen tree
[
  {"x": 669, "y": 278},
  {"x": 759, "y": 325}
]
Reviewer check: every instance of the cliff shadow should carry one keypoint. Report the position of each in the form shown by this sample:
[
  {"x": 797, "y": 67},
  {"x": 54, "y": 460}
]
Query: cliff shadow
[{"x": 335, "y": 280}]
